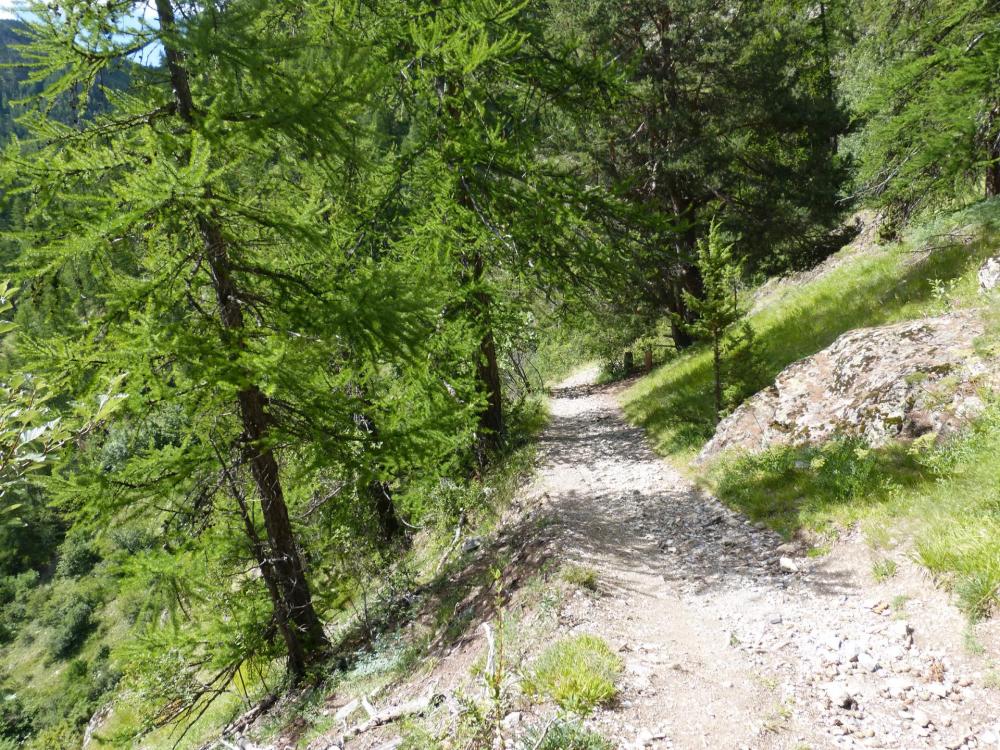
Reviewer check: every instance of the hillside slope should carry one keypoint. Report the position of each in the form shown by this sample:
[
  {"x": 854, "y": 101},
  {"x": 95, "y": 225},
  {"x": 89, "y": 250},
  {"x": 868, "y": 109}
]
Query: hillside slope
[
  {"x": 930, "y": 498},
  {"x": 721, "y": 634}
]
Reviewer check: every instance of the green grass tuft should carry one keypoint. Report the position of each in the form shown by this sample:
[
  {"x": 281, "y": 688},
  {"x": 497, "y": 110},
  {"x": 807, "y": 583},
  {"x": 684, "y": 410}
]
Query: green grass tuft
[
  {"x": 565, "y": 735},
  {"x": 580, "y": 575},
  {"x": 578, "y": 673},
  {"x": 884, "y": 569}
]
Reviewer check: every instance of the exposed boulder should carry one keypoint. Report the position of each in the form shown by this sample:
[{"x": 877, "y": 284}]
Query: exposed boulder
[
  {"x": 989, "y": 275},
  {"x": 896, "y": 381}
]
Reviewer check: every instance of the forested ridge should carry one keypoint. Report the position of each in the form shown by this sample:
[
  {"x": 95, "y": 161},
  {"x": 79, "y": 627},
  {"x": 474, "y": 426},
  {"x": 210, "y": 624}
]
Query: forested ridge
[{"x": 282, "y": 301}]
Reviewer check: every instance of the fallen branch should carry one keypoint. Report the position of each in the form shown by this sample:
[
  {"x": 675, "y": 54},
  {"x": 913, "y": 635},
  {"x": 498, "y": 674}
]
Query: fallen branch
[
  {"x": 388, "y": 715},
  {"x": 544, "y": 734},
  {"x": 491, "y": 655},
  {"x": 454, "y": 543},
  {"x": 239, "y": 724}
]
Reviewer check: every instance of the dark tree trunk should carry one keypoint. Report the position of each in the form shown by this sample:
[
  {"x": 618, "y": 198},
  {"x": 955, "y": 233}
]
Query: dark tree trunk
[
  {"x": 285, "y": 559},
  {"x": 285, "y": 576},
  {"x": 717, "y": 372},
  {"x": 379, "y": 494},
  {"x": 390, "y": 526},
  {"x": 491, "y": 422},
  {"x": 688, "y": 280},
  {"x": 993, "y": 178},
  {"x": 685, "y": 276},
  {"x": 993, "y": 154},
  {"x": 297, "y": 660}
]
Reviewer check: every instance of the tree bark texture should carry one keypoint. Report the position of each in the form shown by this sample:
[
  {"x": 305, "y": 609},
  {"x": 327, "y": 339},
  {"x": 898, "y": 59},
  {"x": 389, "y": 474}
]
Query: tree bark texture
[{"x": 281, "y": 563}]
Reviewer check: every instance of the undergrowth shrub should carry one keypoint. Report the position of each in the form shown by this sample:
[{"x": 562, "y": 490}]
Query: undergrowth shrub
[
  {"x": 77, "y": 557},
  {"x": 578, "y": 673},
  {"x": 580, "y": 575},
  {"x": 565, "y": 735},
  {"x": 15, "y": 719},
  {"x": 61, "y": 736},
  {"x": 131, "y": 539},
  {"x": 71, "y": 623}
]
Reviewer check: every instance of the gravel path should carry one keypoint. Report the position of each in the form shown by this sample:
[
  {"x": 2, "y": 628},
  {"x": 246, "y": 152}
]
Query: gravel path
[{"x": 731, "y": 638}]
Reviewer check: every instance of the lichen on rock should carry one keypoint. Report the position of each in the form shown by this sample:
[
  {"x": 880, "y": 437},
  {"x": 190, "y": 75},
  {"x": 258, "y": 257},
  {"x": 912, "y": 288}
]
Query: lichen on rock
[{"x": 897, "y": 381}]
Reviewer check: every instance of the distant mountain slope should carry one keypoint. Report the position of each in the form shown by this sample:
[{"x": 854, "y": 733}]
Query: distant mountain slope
[
  {"x": 10, "y": 78},
  {"x": 13, "y": 87}
]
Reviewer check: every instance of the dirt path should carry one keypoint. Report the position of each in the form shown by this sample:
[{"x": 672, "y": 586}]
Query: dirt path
[{"x": 725, "y": 646}]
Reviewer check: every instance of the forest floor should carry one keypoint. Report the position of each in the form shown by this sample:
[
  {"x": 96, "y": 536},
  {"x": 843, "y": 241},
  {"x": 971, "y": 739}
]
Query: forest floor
[{"x": 731, "y": 637}]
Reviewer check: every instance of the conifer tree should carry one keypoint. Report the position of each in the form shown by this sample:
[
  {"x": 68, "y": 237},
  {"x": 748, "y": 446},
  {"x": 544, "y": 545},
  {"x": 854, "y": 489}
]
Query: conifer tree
[
  {"x": 480, "y": 107},
  {"x": 731, "y": 110},
  {"x": 241, "y": 273},
  {"x": 717, "y": 308},
  {"x": 925, "y": 82}
]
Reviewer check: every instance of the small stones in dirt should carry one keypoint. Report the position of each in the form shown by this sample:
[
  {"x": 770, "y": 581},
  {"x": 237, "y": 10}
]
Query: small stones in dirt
[
  {"x": 788, "y": 565},
  {"x": 840, "y": 695},
  {"x": 900, "y": 630},
  {"x": 849, "y": 652},
  {"x": 512, "y": 720},
  {"x": 868, "y": 662},
  {"x": 472, "y": 544},
  {"x": 897, "y": 687},
  {"x": 646, "y": 737}
]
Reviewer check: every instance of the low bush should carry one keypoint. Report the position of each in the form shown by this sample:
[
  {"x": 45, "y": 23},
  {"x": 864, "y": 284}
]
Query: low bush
[
  {"x": 70, "y": 628},
  {"x": 76, "y": 558},
  {"x": 884, "y": 569},
  {"x": 566, "y": 735},
  {"x": 15, "y": 719},
  {"x": 578, "y": 673}
]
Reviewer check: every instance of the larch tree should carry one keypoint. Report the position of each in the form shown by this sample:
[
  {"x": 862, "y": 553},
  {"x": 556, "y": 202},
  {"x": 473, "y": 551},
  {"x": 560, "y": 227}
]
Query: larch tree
[
  {"x": 227, "y": 215},
  {"x": 486, "y": 85},
  {"x": 925, "y": 82}
]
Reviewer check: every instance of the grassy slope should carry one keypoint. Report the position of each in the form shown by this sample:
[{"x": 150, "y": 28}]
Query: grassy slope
[{"x": 944, "y": 497}]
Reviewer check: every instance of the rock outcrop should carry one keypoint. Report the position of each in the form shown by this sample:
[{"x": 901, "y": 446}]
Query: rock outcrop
[
  {"x": 989, "y": 275},
  {"x": 896, "y": 381}
]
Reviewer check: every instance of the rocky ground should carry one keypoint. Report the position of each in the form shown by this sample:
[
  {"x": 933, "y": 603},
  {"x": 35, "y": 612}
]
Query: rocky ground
[{"x": 733, "y": 638}]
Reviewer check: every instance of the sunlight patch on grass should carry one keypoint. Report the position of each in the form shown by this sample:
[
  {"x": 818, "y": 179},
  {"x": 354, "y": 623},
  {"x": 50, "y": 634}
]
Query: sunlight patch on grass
[{"x": 943, "y": 498}]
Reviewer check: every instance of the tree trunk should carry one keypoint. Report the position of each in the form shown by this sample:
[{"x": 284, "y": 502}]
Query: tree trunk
[
  {"x": 390, "y": 527},
  {"x": 993, "y": 178},
  {"x": 285, "y": 559},
  {"x": 491, "y": 421},
  {"x": 717, "y": 367},
  {"x": 296, "y": 657},
  {"x": 290, "y": 594},
  {"x": 379, "y": 494},
  {"x": 685, "y": 276},
  {"x": 993, "y": 154},
  {"x": 688, "y": 280}
]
